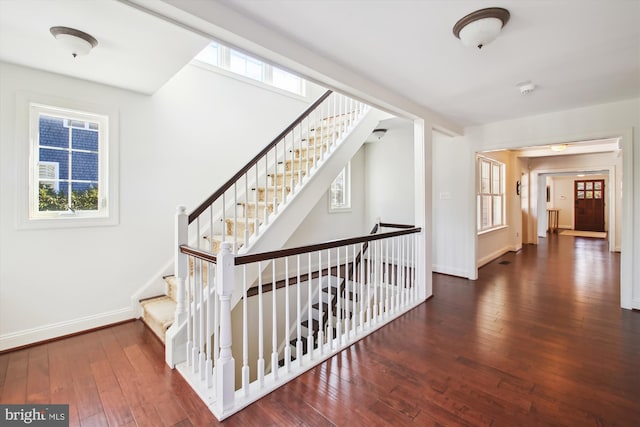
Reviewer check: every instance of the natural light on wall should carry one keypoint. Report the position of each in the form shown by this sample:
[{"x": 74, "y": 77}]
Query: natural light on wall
[{"x": 241, "y": 64}]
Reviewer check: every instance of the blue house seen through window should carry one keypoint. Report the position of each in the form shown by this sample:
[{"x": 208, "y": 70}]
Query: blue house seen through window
[{"x": 68, "y": 164}]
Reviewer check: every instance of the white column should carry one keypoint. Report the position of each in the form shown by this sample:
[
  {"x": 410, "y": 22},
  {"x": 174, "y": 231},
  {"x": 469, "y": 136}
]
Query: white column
[
  {"x": 225, "y": 367},
  {"x": 422, "y": 148}
]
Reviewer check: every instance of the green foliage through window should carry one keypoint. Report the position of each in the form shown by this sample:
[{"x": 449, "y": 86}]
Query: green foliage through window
[{"x": 50, "y": 200}]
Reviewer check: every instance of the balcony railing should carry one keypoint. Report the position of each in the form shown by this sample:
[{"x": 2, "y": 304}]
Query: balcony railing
[{"x": 305, "y": 305}]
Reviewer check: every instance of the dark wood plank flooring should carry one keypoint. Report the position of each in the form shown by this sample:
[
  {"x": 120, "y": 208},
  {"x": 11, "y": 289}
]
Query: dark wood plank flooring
[{"x": 539, "y": 339}]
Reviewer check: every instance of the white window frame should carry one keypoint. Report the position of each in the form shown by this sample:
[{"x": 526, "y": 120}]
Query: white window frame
[
  {"x": 346, "y": 206},
  {"x": 29, "y": 107},
  {"x": 492, "y": 193},
  {"x": 223, "y": 62}
]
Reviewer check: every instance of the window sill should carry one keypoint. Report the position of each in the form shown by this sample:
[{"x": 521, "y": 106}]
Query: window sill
[
  {"x": 491, "y": 230},
  {"x": 66, "y": 222},
  {"x": 247, "y": 80}
]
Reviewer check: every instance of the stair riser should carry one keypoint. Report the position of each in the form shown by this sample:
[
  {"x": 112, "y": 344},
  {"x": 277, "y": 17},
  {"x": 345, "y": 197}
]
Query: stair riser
[
  {"x": 305, "y": 152},
  {"x": 285, "y": 179},
  {"x": 249, "y": 210},
  {"x": 240, "y": 225},
  {"x": 268, "y": 195}
]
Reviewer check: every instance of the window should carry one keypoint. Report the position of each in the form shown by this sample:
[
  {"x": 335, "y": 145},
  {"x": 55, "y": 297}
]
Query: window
[
  {"x": 68, "y": 167},
  {"x": 241, "y": 64},
  {"x": 340, "y": 191},
  {"x": 491, "y": 200}
]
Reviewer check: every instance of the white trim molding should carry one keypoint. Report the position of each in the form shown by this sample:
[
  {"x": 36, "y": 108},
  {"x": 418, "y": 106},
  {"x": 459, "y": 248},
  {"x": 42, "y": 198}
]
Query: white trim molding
[{"x": 60, "y": 329}]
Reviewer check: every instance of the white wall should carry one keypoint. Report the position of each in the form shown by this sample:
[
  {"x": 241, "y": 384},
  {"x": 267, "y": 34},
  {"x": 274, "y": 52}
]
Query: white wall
[
  {"x": 176, "y": 147},
  {"x": 618, "y": 119},
  {"x": 390, "y": 178},
  {"x": 452, "y": 174},
  {"x": 321, "y": 225}
]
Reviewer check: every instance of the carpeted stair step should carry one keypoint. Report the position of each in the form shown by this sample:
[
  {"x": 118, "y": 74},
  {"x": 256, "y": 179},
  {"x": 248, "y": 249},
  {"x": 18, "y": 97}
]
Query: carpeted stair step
[
  {"x": 268, "y": 193},
  {"x": 307, "y": 152},
  {"x": 249, "y": 209},
  {"x": 282, "y": 178},
  {"x": 172, "y": 287},
  {"x": 218, "y": 239},
  {"x": 158, "y": 314},
  {"x": 240, "y": 224}
]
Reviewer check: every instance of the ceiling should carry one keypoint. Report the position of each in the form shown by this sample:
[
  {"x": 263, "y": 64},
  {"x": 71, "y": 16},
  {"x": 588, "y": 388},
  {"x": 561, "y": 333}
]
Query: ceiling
[
  {"x": 578, "y": 52},
  {"x": 135, "y": 51}
]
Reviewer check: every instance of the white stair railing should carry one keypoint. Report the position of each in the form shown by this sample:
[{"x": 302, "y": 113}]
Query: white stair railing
[
  {"x": 307, "y": 304},
  {"x": 240, "y": 209}
]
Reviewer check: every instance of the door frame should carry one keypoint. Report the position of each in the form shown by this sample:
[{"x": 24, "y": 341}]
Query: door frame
[{"x": 539, "y": 179}]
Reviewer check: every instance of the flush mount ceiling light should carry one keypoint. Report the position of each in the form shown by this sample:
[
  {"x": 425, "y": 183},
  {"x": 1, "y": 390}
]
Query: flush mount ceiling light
[
  {"x": 481, "y": 27},
  {"x": 558, "y": 147},
  {"x": 75, "y": 41},
  {"x": 379, "y": 133}
]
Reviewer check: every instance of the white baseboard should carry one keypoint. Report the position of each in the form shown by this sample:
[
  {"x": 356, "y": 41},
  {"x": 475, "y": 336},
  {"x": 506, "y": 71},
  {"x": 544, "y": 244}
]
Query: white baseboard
[
  {"x": 54, "y": 330},
  {"x": 452, "y": 271},
  {"x": 488, "y": 258}
]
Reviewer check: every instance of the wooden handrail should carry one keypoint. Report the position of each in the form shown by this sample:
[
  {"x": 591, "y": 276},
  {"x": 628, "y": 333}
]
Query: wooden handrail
[
  {"x": 198, "y": 253},
  {"x": 387, "y": 225},
  {"x": 220, "y": 191},
  {"x": 247, "y": 259}
]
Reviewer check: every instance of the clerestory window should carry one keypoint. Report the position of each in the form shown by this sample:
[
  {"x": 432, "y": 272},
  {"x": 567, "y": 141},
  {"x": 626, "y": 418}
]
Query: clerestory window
[{"x": 241, "y": 64}]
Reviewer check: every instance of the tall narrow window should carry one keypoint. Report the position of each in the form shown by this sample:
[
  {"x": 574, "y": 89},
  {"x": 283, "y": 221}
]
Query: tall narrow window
[
  {"x": 340, "y": 191},
  {"x": 491, "y": 200},
  {"x": 68, "y": 163}
]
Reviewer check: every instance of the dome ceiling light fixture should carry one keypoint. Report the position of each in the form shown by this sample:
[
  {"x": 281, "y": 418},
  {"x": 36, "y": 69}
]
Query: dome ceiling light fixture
[
  {"x": 526, "y": 87},
  {"x": 76, "y": 41},
  {"x": 481, "y": 27}
]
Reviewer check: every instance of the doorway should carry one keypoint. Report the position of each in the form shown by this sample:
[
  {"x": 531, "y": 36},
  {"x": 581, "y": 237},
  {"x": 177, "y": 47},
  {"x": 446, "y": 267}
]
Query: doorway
[{"x": 589, "y": 205}]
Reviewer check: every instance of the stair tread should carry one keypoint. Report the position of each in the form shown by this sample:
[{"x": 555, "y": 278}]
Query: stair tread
[
  {"x": 241, "y": 219},
  {"x": 162, "y": 309},
  {"x": 315, "y": 325},
  {"x": 334, "y": 290}
]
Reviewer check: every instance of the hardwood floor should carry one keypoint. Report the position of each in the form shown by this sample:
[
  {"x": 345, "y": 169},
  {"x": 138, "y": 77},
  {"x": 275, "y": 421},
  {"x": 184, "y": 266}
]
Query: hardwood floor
[{"x": 540, "y": 340}]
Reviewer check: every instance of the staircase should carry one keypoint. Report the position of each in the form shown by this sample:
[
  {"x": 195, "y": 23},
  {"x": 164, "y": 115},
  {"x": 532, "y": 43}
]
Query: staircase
[
  {"x": 337, "y": 301},
  {"x": 246, "y": 209}
]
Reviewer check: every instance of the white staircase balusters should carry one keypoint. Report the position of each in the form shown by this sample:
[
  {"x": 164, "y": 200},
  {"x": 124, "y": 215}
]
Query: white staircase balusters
[
  {"x": 260, "y": 365},
  {"x": 181, "y": 263},
  {"x": 245, "y": 335},
  {"x": 287, "y": 330},
  {"x": 274, "y": 323}
]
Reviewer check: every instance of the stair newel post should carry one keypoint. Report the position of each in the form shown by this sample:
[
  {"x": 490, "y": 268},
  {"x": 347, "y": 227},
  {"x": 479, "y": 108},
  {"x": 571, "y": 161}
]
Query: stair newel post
[
  {"x": 225, "y": 367},
  {"x": 182, "y": 260}
]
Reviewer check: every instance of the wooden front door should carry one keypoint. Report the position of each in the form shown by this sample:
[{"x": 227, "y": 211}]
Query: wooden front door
[{"x": 589, "y": 205}]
